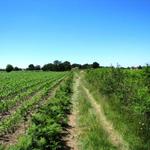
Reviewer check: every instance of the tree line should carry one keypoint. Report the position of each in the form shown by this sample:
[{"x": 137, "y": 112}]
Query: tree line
[{"x": 55, "y": 66}]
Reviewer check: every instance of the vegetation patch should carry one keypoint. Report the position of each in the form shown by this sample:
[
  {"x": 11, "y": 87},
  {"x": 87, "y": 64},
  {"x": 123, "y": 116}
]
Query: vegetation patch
[
  {"x": 126, "y": 101},
  {"x": 48, "y": 123}
]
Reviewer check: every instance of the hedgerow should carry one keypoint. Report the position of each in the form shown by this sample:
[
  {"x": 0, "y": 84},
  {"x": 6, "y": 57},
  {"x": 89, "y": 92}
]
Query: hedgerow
[{"x": 128, "y": 93}]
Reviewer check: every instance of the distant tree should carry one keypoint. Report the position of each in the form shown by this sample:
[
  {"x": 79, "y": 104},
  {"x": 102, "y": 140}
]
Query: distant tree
[
  {"x": 48, "y": 67},
  {"x": 57, "y": 62},
  {"x": 56, "y": 65},
  {"x": 45, "y": 68},
  {"x": 31, "y": 67},
  {"x": 67, "y": 66},
  {"x": 17, "y": 69},
  {"x": 38, "y": 67},
  {"x": 61, "y": 67},
  {"x": 133, "y": 68},
  {"x": 86, "y": 66},
  {"x": 140, "y": 67},
  {"x": 9, "y": 68},
  {"x": 95, "y": 65},
  {"x": 2, "y": 69},
  {"x": 76, "y": 66}
]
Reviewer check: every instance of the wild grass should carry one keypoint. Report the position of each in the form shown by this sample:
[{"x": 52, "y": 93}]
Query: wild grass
[
  {"x": 92, "y": 136},
  {"x": 121, "y": 122},
  {"x": 124, "y": 120}
]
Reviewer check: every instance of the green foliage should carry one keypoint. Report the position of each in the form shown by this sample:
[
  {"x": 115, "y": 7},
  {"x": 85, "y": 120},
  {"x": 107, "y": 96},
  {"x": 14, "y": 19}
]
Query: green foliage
[
  {"x": 17, "y": 69},
  {"x": 1, "y": 147},
  {"x": 31, "y": 67},
  {"x": 9, "y": 68},
  {"x": 57, "y": 66},
  {"x": 92, "y": 136},
  {"x": 95, "y": 65},
  {"x": 66, "y": 66},
  {"x": 28, "y": 98},
  {"x": 128, "y": 93},
  {"x": 47, "y": 124},
  {"x": 147, "y": 76}
]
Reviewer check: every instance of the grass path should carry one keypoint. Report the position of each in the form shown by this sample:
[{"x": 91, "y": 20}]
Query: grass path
[
  {"x": 114, "y": 137},
  {"x": 79, "y": 89}
]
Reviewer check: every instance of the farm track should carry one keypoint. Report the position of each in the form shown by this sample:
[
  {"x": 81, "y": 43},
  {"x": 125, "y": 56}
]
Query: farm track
[
  {"x": 114, "y": 137},
  {"x": 21, "y": 100},
  {"x": 73, "y": 132},
  {"x": 11, "y": 138}
]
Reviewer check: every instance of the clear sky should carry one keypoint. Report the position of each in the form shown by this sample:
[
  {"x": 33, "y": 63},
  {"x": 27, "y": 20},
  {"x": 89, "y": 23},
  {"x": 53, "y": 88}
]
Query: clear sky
[{"x": 81, "y": 31}]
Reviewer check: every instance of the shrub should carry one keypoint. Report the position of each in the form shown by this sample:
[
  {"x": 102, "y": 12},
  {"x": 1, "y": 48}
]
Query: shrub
[{"x": 9, "y": 68}]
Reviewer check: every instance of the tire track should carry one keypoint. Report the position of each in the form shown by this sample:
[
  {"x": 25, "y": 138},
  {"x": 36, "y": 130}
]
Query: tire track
[{"x": 114, "y": 137}]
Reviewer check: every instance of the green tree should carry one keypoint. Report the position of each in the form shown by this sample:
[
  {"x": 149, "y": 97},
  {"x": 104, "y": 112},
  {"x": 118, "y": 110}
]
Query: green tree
[
  {"x": 95, "y": 65},
  {"x": 57, "y": 62},
  {"x": 38, "y": 67},
  {"x": 86, "y": 66},
  {"x": 9, "y": 68},
  {"x": 76, "y": 66},
  {"x": 67, "y": 66},
  {"x": 31, "y": 67},
  {"x": 17, "y": 69}
]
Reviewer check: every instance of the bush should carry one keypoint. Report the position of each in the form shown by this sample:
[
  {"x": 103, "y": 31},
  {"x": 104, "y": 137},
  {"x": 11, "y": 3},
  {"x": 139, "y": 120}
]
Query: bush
[
  {"x": 128, "y": 93},
  {"x": 9, "y": 68}
]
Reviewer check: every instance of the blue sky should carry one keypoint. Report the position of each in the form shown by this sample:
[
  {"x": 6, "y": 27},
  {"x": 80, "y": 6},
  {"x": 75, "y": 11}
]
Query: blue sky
[{"x": 81, "y": 31}]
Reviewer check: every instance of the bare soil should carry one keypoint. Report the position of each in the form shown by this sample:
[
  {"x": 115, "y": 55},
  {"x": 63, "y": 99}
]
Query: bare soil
[{"x": 72, "y": 131}]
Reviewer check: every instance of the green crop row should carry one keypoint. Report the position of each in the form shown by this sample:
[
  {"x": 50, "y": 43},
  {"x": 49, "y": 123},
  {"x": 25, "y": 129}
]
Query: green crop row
[
  {"x": 45, "y": 132},
  {"x": 9, "y": 124},
  {"x": 15, "y": 83},
  {"x": 5, "y": 105}
]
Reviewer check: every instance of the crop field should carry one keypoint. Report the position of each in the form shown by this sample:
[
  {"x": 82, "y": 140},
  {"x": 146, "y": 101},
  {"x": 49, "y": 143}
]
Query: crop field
[
  {"x": 91, "y": 109},
  {"x": 22, "y": 95},
  {"x": 74, "y": 75}
]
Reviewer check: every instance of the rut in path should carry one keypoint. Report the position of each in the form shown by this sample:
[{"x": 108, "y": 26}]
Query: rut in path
[
  {"x": 71, "y": 137},
  {"x": 114, "y": 137}
]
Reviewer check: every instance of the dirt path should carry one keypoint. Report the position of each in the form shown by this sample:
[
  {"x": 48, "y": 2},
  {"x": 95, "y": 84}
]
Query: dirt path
[
  {"x": 71, "y": 138},
  {"x": 114, "y": 137}
]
